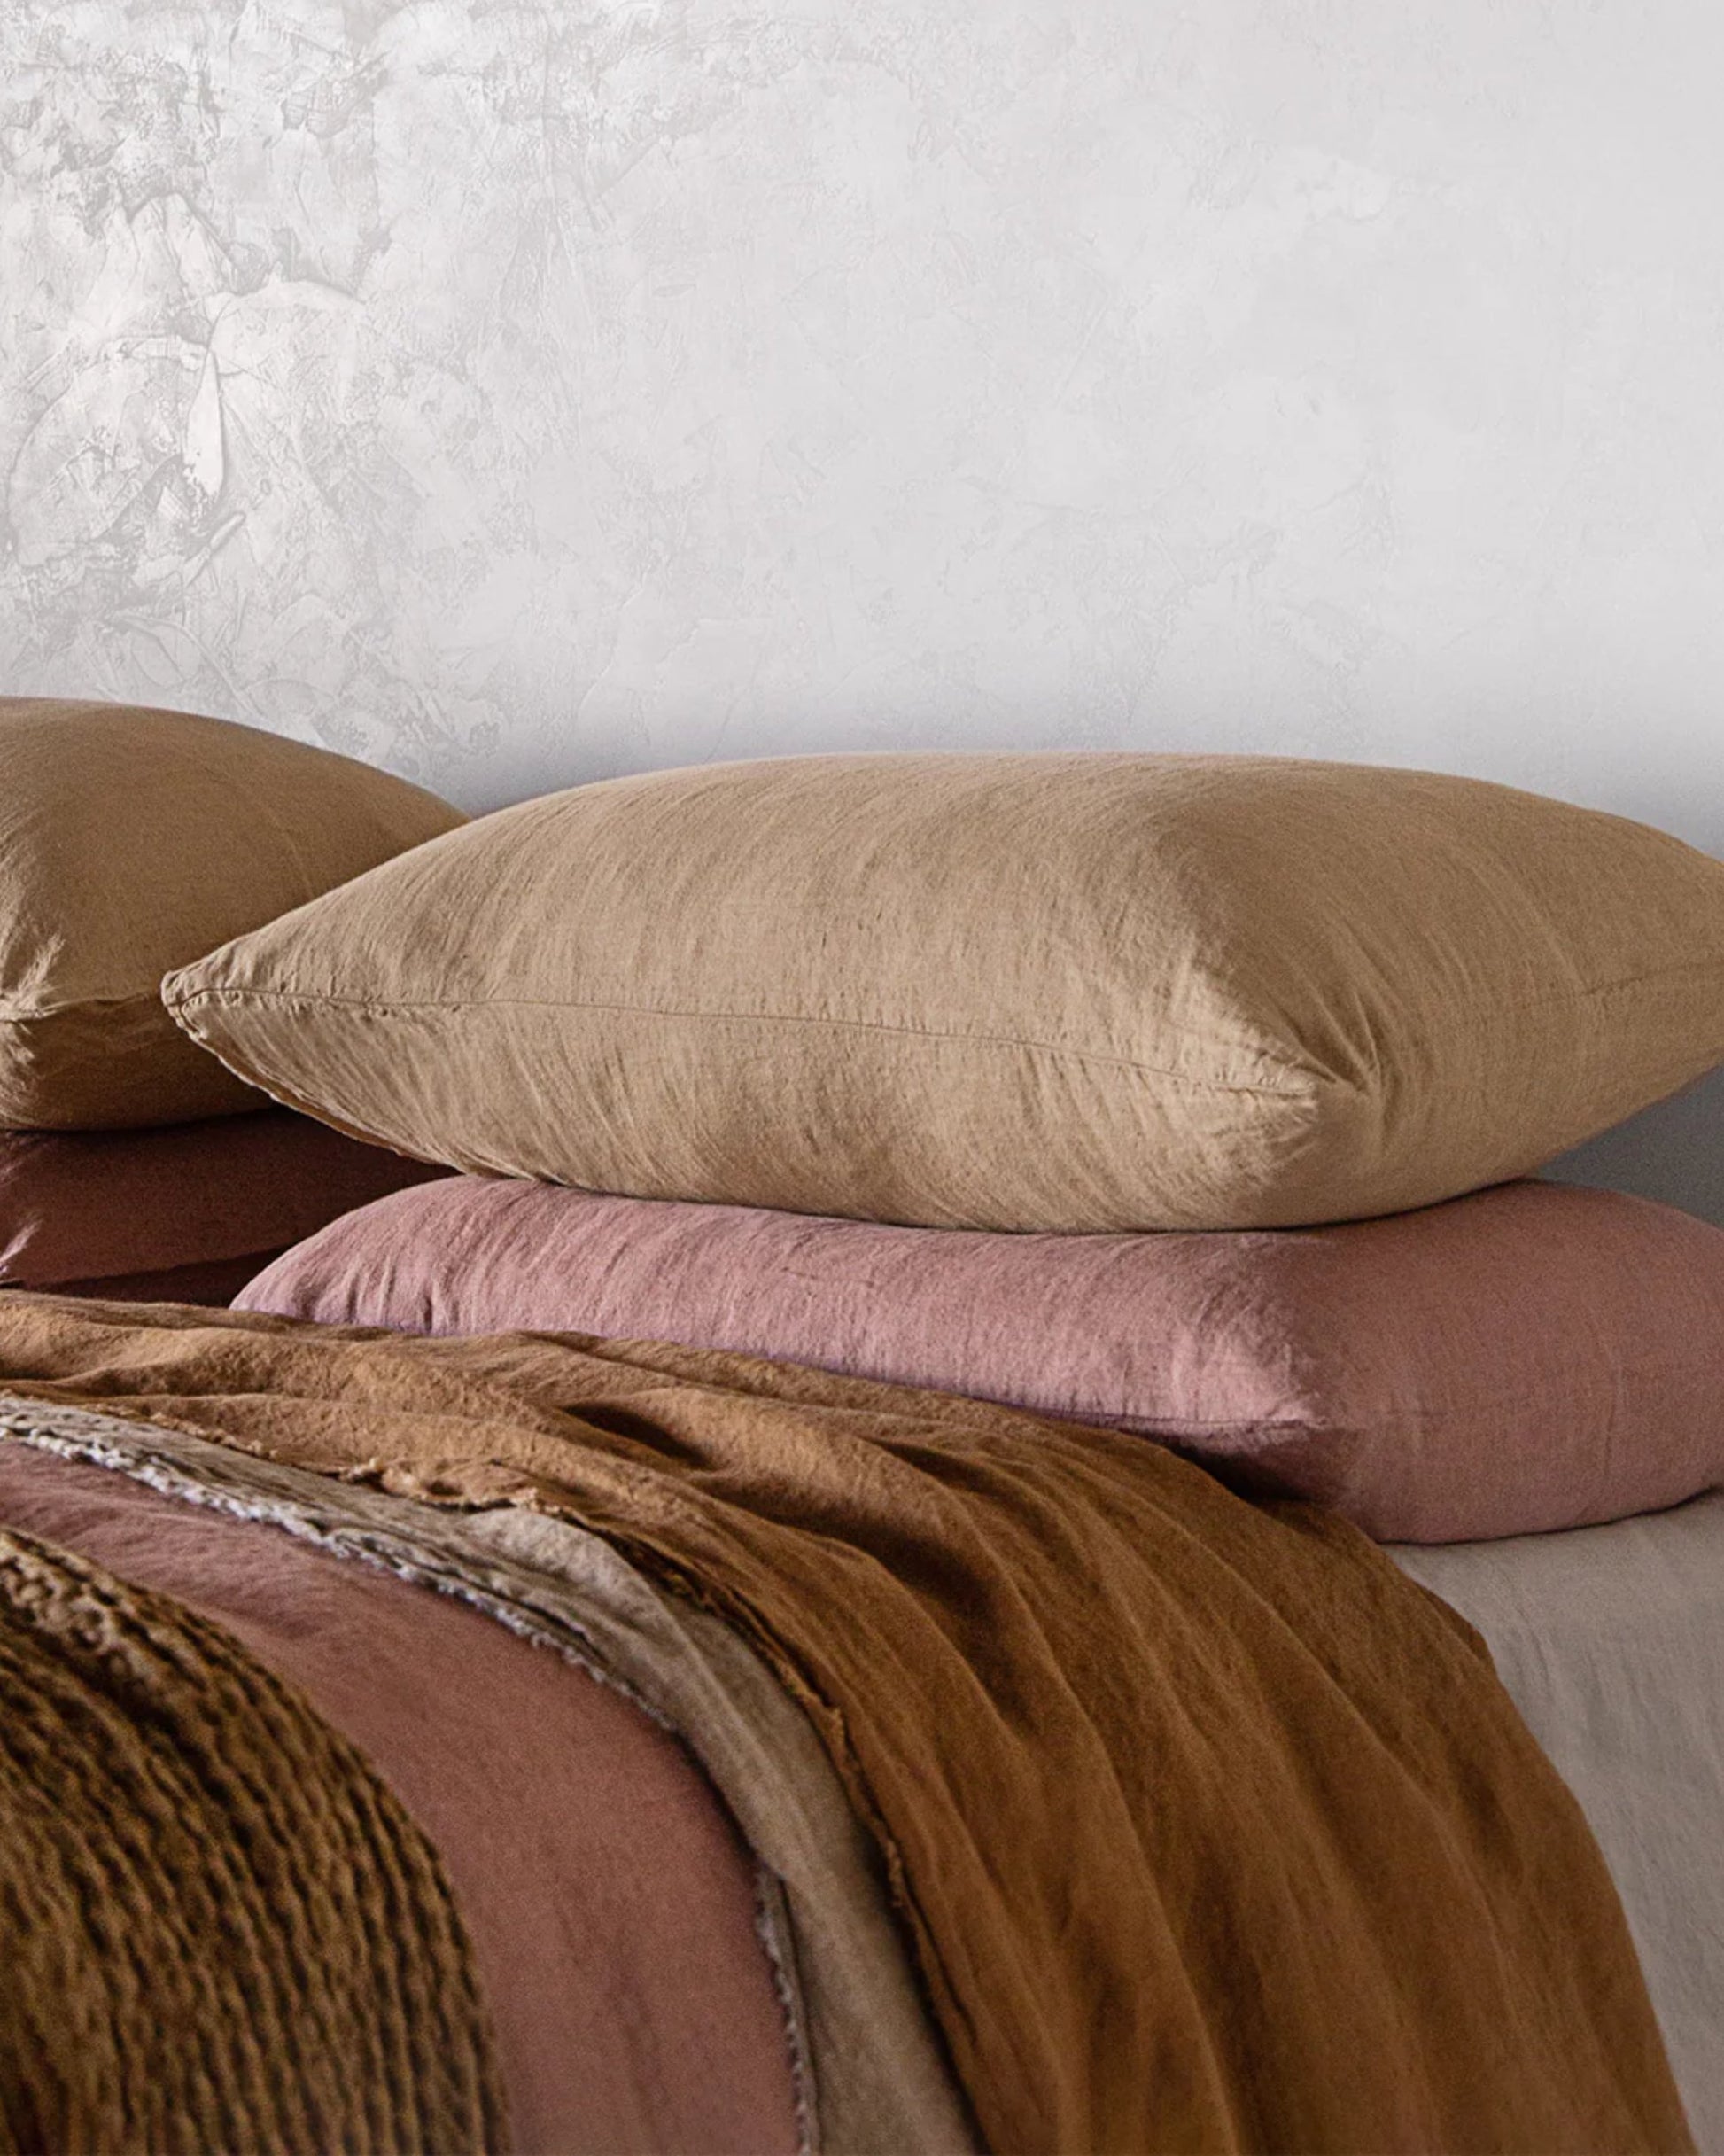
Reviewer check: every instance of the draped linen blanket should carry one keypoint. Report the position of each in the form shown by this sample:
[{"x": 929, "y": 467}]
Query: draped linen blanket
[
  {"x": 1206, "y": 1828},
  {"x": 218, "y": 1929}
]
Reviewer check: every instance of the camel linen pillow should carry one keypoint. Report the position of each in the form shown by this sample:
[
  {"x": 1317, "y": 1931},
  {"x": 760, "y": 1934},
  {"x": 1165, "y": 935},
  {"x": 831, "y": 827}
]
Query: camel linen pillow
[
  {"x": 131, "y": 841},
  {"x": 1066, "y": 992}
]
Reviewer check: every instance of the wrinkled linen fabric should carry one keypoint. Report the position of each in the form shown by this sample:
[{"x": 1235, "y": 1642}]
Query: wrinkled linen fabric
[
  {"x": 1611, "y": 1642},
  {"x": 1530, "y": 1358},
  {"x": 133, "y": 1208},
  {"x": 1065, "y": 991},
  {"x": 132, "y": 840},
  {"x": 867, "y": 2069},
  {"x": 1208, "y": 1829},
  {"x": 610, "y": 1905},
  {"x": 222, "y": 1932}
]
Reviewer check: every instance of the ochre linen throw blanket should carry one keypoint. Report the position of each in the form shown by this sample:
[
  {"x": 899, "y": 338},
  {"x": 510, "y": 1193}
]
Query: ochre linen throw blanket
[
  {"x": 1210, "y": 1831},
  {"x": 218, "y": 1929}
]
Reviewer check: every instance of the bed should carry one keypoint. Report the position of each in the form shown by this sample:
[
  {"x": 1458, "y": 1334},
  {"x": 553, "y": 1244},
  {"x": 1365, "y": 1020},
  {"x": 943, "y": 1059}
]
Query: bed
[{"x": 1072, "y": 1556}]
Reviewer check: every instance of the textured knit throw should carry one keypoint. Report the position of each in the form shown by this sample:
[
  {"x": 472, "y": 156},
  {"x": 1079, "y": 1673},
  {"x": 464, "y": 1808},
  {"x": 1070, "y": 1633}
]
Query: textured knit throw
[{"x": 218, "y": 1929}]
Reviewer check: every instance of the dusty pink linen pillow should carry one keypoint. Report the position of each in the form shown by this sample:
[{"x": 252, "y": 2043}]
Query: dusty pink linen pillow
[{"x": 1532, "y": 1357}]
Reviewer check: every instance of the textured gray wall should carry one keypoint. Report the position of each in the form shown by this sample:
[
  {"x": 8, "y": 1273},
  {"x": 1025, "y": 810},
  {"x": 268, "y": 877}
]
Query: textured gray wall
[{"x": 513, "y": 393}]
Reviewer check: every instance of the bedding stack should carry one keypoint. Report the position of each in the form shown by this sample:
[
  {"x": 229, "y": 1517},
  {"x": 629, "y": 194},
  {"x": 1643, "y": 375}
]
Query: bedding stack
[
  {"x": 1190, "y": 1097},
  {"x": 972, "y": 1136},
  {"x": 132, "y": 1165}
]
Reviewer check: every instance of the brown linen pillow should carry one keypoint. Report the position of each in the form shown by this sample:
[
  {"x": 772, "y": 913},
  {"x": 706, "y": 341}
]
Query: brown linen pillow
[
  {"x": 1532, "y": 1357},
  {"x": 1024, "y": 991},
  {"x": 182, "y": 1215},
  {"x": 131, "y": 841},
  {"x": 212, "y": 1286}
]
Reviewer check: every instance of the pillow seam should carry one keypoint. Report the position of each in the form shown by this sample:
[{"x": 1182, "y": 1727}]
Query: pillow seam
[{"x": 184, "y": 1007}]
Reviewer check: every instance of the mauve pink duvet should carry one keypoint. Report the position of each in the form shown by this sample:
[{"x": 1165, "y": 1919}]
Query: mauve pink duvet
[{"x": 609, "y": 1900}]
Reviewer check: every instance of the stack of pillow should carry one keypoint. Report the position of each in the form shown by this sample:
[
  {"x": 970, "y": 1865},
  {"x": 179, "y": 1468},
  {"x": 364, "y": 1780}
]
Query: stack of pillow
[
  {"x": 131, "y": 1164},
  {"x": 1190, "y": 1096}
]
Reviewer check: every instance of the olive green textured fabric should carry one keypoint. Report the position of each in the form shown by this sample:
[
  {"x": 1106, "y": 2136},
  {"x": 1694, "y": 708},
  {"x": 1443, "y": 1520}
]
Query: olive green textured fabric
[
  {"x": 218, "y": 1930},
  {"x": 1037, "y": 991},
  {"x": 131, "y": 841}
]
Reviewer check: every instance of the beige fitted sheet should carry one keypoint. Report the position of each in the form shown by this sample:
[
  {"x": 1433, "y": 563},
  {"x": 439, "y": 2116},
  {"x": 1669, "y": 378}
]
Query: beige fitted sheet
[{"x": 1611, "y": 1641}]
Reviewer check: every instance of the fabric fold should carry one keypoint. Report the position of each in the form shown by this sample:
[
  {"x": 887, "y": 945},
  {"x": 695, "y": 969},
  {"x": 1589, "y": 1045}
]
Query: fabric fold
[{"x": 1208, "y": 1829}]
